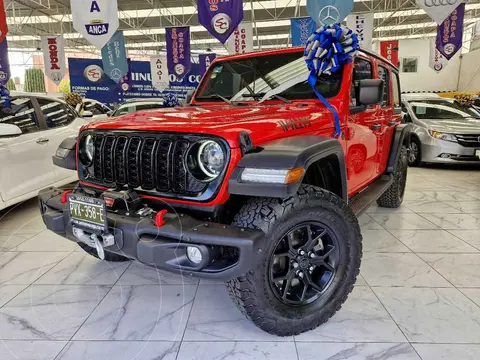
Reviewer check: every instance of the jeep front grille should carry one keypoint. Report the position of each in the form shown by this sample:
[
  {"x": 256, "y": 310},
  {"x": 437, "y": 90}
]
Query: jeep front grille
[
  {"x": 469, "y": 140},
  {"x": 146, "y": 162}
]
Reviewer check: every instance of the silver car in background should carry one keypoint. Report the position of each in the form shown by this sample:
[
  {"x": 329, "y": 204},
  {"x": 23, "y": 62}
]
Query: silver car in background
[{"x": 445, "y": 131}]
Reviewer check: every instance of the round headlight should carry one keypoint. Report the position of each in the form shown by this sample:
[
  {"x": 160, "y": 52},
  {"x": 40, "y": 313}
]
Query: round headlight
[
  {"x": 211, "y": 158},
  {"x": 86, "y": 150}
]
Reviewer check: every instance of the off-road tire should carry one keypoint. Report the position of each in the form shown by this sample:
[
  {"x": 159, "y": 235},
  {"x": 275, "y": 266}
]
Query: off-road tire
[
  {"x": 108, "y": 255},
  {"x": 393, "y": 197},
  {"x": 252, "y": 293}
]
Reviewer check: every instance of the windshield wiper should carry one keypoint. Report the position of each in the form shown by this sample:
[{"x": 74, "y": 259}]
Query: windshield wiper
[
  {"x": 262, "y": 96},
  {"x": 281, "y": 88},
  {"x": 215, "y": 96}
]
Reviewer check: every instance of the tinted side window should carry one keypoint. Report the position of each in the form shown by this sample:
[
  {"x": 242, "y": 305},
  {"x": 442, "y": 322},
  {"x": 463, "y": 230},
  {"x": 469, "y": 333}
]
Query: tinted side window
[
  {"x": 55, "y": 113},
  {"x": 94, "y": 108},
  {"x": 383, "y": 75},
  {"x": 20, "y": 113},
  {"x": 396, "y": 90},
  {"x": 362, "y": 69}
]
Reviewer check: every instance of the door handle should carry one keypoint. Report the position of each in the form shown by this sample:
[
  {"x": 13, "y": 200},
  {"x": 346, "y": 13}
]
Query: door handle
[
  {"x": 376, "y": 127},
  {"x": 42, "y": 141}
]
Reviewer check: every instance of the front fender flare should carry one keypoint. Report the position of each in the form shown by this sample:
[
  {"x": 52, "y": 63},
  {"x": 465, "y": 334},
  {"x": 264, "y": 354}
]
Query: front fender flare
[{"x": 286, "y": 154}]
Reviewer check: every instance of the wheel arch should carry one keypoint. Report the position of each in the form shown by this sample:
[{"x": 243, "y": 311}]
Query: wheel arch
[
  {"x": 401, "y": 137},
  {"x": 308, "y": 152}
]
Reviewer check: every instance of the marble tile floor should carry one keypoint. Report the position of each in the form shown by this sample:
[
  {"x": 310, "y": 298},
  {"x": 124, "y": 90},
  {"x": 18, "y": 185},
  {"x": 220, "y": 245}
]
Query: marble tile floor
[{"x": 418, "y": 296}]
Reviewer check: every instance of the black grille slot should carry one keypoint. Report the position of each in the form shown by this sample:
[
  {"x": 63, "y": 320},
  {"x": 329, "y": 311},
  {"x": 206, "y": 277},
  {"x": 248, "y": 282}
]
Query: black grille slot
[
  {"x": 108, "y": 169},
  {"x": 163, "y": 164},
  {"x": 469, "y": 140},
  {"x": 147, "y": 159},
  {"x": 97, "y": 158},
  {"x": 179, "y": 168},
  {"x": 119, "y": 160},
  {"x": 133, "y": 166}
]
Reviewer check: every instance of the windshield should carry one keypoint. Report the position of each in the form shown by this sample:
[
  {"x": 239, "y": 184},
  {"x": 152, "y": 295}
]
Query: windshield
[
  {"x": 443, "y": 109},
  {"x": 129, "y": 108},
  {"x": 250, "y": 79}
]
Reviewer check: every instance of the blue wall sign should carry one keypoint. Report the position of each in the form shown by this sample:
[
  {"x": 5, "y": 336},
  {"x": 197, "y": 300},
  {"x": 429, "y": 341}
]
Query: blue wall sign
[{"x": 88, "y": 79}]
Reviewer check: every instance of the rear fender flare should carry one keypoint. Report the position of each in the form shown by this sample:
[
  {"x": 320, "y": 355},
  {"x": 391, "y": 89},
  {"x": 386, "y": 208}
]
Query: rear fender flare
[{"x": 401, "y": 136}]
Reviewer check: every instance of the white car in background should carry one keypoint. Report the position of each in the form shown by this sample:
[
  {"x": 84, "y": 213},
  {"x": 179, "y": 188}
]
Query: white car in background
[{"x": 30, "y": 132}]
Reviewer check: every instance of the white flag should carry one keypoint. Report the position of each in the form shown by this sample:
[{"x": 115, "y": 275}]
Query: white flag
[
  {"x": 96, "y": 20},
  {"x": 437, "y": 61},
  {"x": 158, "y": 66},
  {"x": 438, "y": 10},
  {"x": 54, "y": 57},
  {"x": 362, "y": 25},
  {"x": 241, "y": 41}
]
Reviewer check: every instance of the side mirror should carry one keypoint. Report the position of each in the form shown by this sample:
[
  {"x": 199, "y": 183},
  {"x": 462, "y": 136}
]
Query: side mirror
[
  {"x": 87, "y": 114},
  {"x": 189, "y": 97},
  {"x": 9, "y": 130},
  {"x": 370, "y": 91},
  {"x": 407, "y": 118}
]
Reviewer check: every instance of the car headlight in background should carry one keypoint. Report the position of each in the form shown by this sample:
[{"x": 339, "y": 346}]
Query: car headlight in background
[
  {"x": 206, "y": 160},
  {"x": 443, "y": 136},
  {"x": 86, "y": 150}
]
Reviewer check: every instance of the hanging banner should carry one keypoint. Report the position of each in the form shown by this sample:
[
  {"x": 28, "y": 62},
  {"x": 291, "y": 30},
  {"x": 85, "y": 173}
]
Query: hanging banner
[
  {"x": 3, "y": 22},
  {"x": 437, "y": 61},
  {"x": 301, "y": 29},
  {"x": 220, "y": 18},
  {"x": 4, "y": 63},
  {"x": 178, "y": 51},
  {"x": 114, "y": 57},
  {"x": 96, "y": 20},
  {"x": 389, "y": 50},
  {"x": 450, "y": 33},
  {"x": 158, "y": 68},
  {"x": 54, "y": 57},
  {"x": 329, "y": 12},
  {"x": 362, "y": 25},
  {"x": 205, "y": 60},
  {"x": 438, "y": 10},
  {"x": 241, "y": 41}
]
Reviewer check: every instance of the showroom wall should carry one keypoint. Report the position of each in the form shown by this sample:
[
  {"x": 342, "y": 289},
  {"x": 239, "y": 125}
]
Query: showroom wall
[
  {"x": 425, "y": 79},
  {"x": 470, "y": 72}
]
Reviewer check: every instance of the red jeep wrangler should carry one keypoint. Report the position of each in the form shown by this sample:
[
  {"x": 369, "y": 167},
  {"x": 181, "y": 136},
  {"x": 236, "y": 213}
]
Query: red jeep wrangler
[{"x": 247, "y": 184}]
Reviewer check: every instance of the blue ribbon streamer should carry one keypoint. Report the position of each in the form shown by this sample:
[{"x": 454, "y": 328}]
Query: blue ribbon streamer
[
  {"x": 4, "y": 96},
  {"x": 326, "y": 51}
]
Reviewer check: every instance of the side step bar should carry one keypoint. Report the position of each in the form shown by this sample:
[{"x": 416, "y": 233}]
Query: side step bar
[{"x": 360, "y": 202}]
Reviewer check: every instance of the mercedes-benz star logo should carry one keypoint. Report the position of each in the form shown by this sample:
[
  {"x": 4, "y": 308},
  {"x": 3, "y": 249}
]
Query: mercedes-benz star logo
[
  {"x": 329, "y": 15},
  {"x": 116, "y": 74}
]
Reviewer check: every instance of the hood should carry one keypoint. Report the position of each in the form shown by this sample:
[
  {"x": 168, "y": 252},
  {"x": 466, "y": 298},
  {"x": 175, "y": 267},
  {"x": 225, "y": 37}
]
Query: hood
[
  {"x": 455, "y": 126},
  {"x": 263, "y": 123}
]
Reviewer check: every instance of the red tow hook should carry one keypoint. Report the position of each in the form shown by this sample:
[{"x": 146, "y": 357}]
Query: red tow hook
[
  {"x": 159, "y": 221},
  {"x": 65, "y": 196}
]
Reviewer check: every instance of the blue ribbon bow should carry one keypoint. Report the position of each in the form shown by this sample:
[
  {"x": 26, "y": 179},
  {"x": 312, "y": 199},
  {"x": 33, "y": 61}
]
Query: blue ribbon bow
[{"x": 326, "y": 51}]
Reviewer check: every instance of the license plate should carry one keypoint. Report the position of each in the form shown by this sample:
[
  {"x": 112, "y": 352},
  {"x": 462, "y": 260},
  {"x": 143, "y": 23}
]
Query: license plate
[
  {"x": 477, "y": 154},
  {"x": 88, "y": 213}
]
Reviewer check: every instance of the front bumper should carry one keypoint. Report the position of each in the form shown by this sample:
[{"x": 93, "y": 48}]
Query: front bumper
[
  {"x": 165, "y": 247},
  {"x": 432, "y": 150}
]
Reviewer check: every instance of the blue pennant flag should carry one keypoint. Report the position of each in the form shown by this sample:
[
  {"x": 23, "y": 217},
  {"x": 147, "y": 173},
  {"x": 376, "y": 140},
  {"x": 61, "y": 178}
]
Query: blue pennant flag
[
  {"x": 114, "y": 57},
  {"x": 301, "y": 29},
  {"x": 329, "y": 12}
]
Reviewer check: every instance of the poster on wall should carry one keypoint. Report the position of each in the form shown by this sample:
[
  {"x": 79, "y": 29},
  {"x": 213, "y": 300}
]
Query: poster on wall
[
  {"x": 329, "y": 12},
  {"x": 220, "y": 18},
  {"x": 450, "y": 33},
  {"x": 159, "y": 72},
  {"x": 204, "y": 61},
  {"x": 241, "y": 41},
  {"x": 96, "y": 20},
  {"x": 178, "y": 51},
  {"x": 114, "y": 57},
  {"x": 301, "y": 29},
  {"x": 54, "y": 57},
  {"x": 4, "y": 63},
  {"x": 88, "y": 79},
  {"x": 362, "y": 25},
  {"x": 389, "y": 50},
  {"x": 437, "y": 61},
  {"x": 3, "y": 21},
  {"x": 438, "y": 10}
]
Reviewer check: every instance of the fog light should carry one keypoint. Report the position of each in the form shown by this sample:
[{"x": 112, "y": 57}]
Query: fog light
[
  {"x": 445, "y": 156},
  {"x": 194, "y": 254}
]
